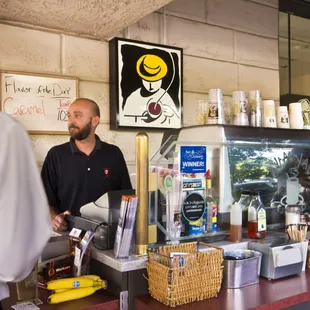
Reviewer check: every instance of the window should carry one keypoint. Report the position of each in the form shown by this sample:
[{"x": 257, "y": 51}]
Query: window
[{"x": 294, "y": 50}]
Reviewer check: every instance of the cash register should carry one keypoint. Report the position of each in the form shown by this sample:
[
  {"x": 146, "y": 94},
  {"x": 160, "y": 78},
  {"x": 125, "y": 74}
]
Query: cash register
[{"x": 104, "y": 212}]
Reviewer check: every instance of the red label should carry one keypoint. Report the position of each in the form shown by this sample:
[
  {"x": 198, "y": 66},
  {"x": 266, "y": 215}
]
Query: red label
[{"x": 106, "y": 172}]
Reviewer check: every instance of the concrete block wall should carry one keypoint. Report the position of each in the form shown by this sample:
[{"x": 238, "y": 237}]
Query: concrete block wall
[{"x": 228, "y": 44}]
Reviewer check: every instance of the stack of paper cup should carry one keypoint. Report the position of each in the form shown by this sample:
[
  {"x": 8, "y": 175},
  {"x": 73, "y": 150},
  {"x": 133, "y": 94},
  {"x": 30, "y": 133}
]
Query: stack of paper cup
[
  {"x": 239, "y": 109},
  {"x": 295, "y": 112},
  {"x": 282, "y": 117},
  {"x": 269, "y": 113}
]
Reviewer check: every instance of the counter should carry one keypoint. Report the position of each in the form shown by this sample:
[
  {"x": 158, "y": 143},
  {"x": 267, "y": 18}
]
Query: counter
[
  {"x": 99, "y": 300},
  {"x": 265, "y": 295},
  {"x": 128, "y": 277},
  {"x": 137, "y": 263},
  {"x": 120, "y": 264}
]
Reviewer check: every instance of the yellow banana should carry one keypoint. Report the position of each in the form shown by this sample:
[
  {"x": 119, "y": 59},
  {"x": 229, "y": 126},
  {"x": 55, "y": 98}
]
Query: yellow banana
[
  {"x": 69, "y": 283},
  {"x": 61, "y": 290},
  {"x": 92, "y": 277},
  {"x": 97, "y": 279},
  {"x": 72, "y": 294},
  {"x": 102, "y": 283},
  {"x": 96, "y": 284}
]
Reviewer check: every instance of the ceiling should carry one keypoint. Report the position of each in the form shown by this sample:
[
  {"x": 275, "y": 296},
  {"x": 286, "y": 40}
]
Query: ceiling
[{"x": 99, "y": 19}]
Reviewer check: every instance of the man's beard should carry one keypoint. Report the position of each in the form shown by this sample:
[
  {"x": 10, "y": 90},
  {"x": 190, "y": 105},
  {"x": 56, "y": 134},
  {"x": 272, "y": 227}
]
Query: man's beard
[{"x": 81, "y": 134}]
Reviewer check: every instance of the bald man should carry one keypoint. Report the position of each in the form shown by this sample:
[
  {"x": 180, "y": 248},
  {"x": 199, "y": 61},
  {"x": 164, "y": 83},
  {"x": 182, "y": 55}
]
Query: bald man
[{"x": 83, "y": 169}]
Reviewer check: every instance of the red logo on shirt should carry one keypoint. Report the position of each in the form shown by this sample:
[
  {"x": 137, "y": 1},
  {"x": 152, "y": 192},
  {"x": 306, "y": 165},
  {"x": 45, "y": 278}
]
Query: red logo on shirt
[{"x": 106, "y": 172}]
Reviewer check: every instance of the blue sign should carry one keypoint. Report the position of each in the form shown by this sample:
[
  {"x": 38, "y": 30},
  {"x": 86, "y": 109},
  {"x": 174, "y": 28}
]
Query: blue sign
[{"x": 193, "y": 159}]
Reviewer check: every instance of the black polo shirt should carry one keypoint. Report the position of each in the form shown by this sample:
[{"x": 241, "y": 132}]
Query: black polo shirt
[{"x": 72, "y": 179}]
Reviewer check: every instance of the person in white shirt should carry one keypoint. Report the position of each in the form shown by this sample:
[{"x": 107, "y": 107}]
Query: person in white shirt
[{"x": 25, "y": 224}]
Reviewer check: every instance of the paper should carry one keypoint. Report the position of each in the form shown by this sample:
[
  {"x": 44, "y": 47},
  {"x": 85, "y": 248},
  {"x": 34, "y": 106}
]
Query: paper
[
  {"x": 125, "y": 226},
  {"x": 77, "y": 257},
  {"x": 75, "y": 232},
  {"x": 25, "y": 306}
]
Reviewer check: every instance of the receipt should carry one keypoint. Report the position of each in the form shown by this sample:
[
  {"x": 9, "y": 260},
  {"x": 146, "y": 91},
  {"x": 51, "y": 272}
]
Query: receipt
[{"x": 25, "y": 306}]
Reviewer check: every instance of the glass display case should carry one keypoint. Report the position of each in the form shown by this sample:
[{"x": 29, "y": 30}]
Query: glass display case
[{"x": 239, "y": 161}]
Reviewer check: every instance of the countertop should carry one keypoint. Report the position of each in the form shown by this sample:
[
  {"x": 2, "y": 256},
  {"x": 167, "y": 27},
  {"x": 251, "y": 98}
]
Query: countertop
[
  {"x": 139, "y": 262},
  {"x": 262, "y": 293},
  {"x": 134, "y": 262},
  {"x": 99, "y": 300}
]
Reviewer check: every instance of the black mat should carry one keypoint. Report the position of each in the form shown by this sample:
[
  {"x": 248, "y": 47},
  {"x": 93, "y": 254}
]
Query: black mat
[{"x": 302, "y": 306}]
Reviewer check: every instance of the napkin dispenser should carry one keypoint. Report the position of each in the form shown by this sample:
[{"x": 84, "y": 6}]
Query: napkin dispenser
[{"x": 281, "y": 257}]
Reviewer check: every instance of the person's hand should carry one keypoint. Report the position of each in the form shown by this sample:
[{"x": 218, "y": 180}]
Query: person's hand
[
  {"x": 168, "y": 111},
  {"x": 59, "y": 221}
]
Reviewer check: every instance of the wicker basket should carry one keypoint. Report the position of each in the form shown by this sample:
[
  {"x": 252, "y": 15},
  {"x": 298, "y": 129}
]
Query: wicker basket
[{"x": 187, "y": 278}]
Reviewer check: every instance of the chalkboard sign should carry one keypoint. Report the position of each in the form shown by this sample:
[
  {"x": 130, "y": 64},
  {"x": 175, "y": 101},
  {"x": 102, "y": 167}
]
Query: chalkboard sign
[{"x": 38, "y": 102}]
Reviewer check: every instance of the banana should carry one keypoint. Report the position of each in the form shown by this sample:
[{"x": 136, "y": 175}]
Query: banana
[
  {"x": 96, "y": 284},
  {"x": 69, "y": 283},
  {"x": 102, "y": 284},
  {"x": 92, "y": 277},
  {"x": 72, "y": 294},
  {"x": 61, "y": 290},
  {"x": 97, "y": 279}
]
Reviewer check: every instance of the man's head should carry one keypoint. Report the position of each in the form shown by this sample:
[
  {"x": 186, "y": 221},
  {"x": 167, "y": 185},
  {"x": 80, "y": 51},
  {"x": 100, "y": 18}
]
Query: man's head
[{"x": 83, "y": 118}]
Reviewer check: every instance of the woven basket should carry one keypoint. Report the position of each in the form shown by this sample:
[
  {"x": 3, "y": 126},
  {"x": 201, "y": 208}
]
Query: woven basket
[{"x": 187, "y": 278}]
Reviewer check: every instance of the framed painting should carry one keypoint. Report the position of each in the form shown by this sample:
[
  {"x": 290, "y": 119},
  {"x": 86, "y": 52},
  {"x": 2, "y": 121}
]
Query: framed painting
[{"x": 146, "y": 85}]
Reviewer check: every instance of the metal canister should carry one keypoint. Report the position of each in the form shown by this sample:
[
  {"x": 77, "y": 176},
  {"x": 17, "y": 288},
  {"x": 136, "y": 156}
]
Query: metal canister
[{"x": 255, "y": 107}]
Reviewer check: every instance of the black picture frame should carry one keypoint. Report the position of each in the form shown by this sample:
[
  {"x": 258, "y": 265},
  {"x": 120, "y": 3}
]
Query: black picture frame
[{"x": 146, "y": 85}]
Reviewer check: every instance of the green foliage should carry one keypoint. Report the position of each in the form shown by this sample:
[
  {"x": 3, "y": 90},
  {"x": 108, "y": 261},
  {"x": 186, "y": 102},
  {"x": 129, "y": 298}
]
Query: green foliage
[{"x": 249, "y": 163}]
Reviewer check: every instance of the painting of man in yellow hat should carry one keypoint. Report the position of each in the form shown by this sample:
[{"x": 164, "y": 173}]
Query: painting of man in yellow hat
[{"x": 150, "y": 92}]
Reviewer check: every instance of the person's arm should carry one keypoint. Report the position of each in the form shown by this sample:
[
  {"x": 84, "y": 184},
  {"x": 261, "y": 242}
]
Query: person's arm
[
  {"x": 25, "y": 225},
  {"x": 53, "y": 212},
  {"x": 50, "y": 181}
]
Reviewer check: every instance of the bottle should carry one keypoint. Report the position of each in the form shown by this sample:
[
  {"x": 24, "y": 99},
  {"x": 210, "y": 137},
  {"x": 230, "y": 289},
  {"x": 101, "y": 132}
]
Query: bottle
[
  {"x": 240, "y": 109},
  {"x": 211, "y": 206},
  {"x": 255, "y": 105},
  {"x": 196, "y": 228},
  {"x": 245, "y": 200},
  {"x": 215, "y": 107},
  {"x": 236, "y": 223},
  {"x": 257, "y": 224}
]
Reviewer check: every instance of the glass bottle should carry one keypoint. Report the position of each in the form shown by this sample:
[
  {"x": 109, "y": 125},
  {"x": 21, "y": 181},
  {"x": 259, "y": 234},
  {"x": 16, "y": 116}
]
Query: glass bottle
[
  {"x": 292, "y": 215},
  {"x": 257, "y": 224},
  {"x": 235, "y": 223},
  {"x": 211, "y": 206},
  {"x": 245, "y": 200}
]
